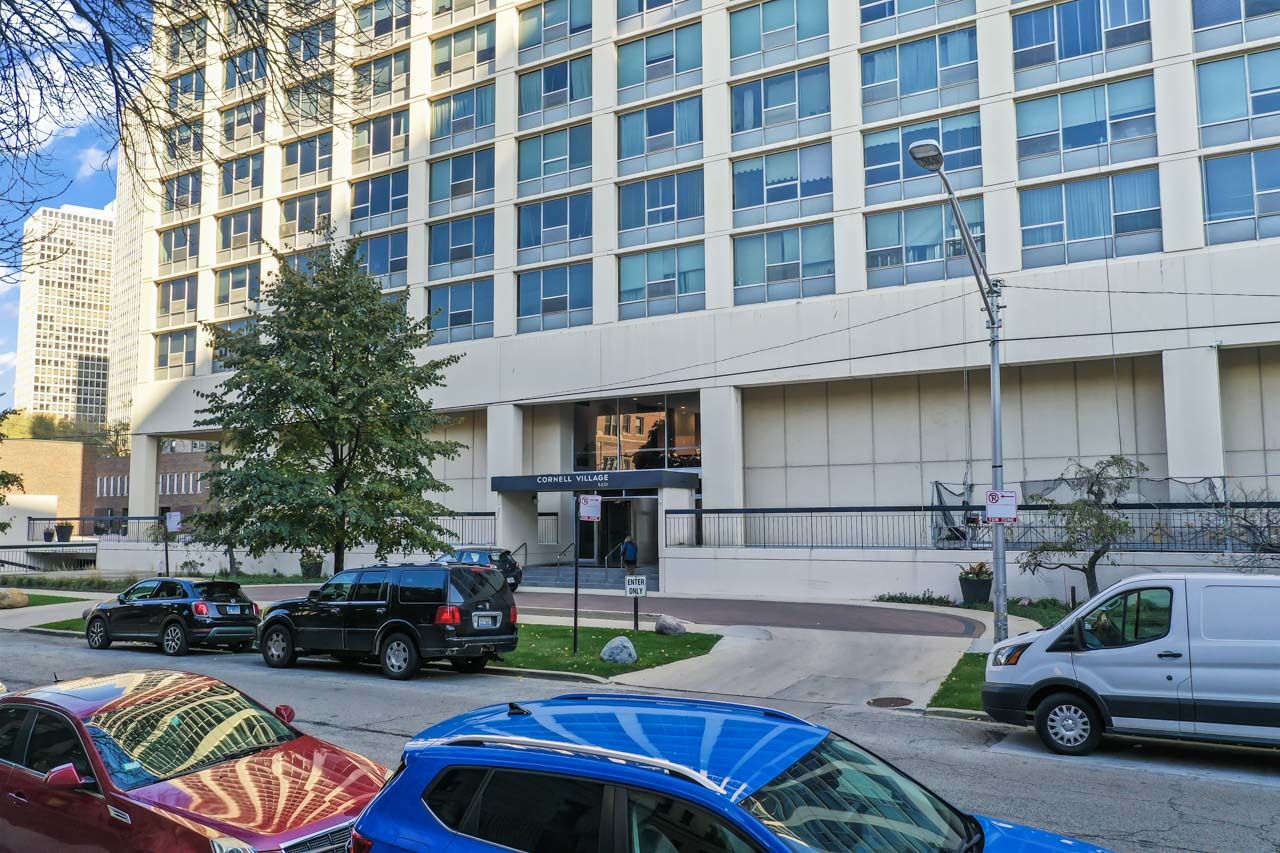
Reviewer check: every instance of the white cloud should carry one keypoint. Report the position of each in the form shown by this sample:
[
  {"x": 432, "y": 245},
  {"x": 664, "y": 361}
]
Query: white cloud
[
  {"x": 10, "y": 279},
  {"x": 94, "y": 159},
  {"x": 8, "y": 360}
]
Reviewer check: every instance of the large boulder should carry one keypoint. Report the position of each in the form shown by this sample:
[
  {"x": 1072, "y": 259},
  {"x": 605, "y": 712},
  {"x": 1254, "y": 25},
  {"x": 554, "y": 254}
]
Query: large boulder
[
  {"x": 669, "y": 625},
  {"x": 12, "y": 598},
  {"x": 619, "y": 650}
]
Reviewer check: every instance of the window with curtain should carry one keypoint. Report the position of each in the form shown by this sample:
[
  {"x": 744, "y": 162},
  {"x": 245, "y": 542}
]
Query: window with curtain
[
  {"x": 460, "y": 240},
  {"x": 379, "y": 195},
  {"x": 782, "y": 176},
  {"x": 462, "y": 112},
  {"x": 1231, "y": 90},
  {"x": 306, "y": 212},
  {"x": 462, "y": 176},
  {"x": 785, "y": 264},
  {"x": 554, "y": 85},
  {"x": 383, "y": 17},
  {"x": 556, "y": 220},
  {"x": 182, "y": 192},
  {"x": 240, "y": 229},
  {"x": 885, "y": 153},
  {"x": 311, "y": 155},
  {"x": 1207, "y": 14},
  {"x": 237, "y": 285},
  {"x": 243, "y": 120},
  {"x": 659, "y": 56},
  {"x": 657, "y": 201},
  {"x": 920, "y": 66},
  {"x": 1104, "y": 208},
  {"x": 554, "y": 153},
  {"x": 1242, "y": 196},
  {"x": 663, "y": 281},
  {"x": 1087, "y": 117},
  {"x": 775, "y": 23},
  {"x": 386, "y": 258},
  {"x": 1078, "y": 28},
  {"x": 553, "y": 20},
  {"x": 553, "y": 298},
  {"x": 463, "y": 49},
  {"x": 660, "y": 127},
  {"x": 911, "y": 246},
  {"x": 176, "y": 300},
  {"x": 461, "y": 312},
  {"x": 241, "y": 174},
  {"x": 176, "y": 354},
  {"x": 781, "y": 98},
  {"x": 178, "y": 245}
]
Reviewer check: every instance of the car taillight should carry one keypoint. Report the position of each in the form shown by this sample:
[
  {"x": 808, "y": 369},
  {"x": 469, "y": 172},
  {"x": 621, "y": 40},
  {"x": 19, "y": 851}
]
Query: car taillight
[
  {"x": 448, "y": 615},
  {"x": 360, "y": 844},
  {"x": 513, "y": 614},
  {"x": 256, "y": 611},
  {"x": 200, "y": 608}
]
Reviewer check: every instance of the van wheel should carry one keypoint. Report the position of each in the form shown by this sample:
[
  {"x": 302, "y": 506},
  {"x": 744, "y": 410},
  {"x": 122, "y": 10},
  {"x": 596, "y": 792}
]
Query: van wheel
[
  {"x": 469, "y": 665},
  {"x": 1068, "y": 724},
  {"x": 96, "y": 634},
  {"x": 277, "y": 647},
  {"x": 399, "y": 657},
  {"x": 173, "y": 639}
]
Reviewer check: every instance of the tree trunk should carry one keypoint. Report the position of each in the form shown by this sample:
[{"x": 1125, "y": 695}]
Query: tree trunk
[
  {"x": 340, "y": 551},
  {"x": 1091, "y": 569}
]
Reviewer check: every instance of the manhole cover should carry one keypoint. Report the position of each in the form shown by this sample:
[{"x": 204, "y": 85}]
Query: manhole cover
[{"x": 888, "y": 702}]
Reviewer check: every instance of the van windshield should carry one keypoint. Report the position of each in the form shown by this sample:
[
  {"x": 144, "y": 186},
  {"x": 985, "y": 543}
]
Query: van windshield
[{"x": 474, "y": 585}]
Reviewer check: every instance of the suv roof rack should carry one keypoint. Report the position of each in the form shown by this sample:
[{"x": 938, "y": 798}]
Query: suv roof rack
[
  {"x": 650, "y": 762},
  {"x": 640, "y": 697}
]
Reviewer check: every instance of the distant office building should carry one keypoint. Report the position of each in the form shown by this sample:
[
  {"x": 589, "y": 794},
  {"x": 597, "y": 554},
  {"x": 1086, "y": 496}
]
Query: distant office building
[{"x": 65, "y": 303}]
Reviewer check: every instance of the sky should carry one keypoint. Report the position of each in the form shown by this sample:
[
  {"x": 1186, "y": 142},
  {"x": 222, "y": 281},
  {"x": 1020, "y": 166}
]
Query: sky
[{"x": 86, "y": 161}]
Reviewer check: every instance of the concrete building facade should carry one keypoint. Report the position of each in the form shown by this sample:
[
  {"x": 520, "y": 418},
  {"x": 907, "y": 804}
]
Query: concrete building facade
[
  {"x": 690, "y": 263},
  {"x": 128, "y": 271},
  {"x": 63, "y": 316}
]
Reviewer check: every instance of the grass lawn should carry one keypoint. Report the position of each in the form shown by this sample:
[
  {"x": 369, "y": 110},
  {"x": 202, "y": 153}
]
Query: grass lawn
[
  {"x": 551, "y": 647},
  {"x": 963, "y": 687},
  {"x": 97, "y": 583},
  {"x": 35, "y": 599},
  {"x": 76, "y": 624}
]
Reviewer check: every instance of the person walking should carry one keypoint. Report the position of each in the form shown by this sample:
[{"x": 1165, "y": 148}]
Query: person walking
[{"x": 629, "y": 553}]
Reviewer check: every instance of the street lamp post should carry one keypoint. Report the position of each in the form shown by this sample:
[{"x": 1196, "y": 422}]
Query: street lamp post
[{"x": 927, "y": 154}]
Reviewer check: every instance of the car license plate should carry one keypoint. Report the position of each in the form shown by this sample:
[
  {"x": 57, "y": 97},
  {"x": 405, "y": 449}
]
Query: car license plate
[
  {"x": 484, "y": 620},
  {"x": 511, "y": 579},
  {"x": 233, "y": 609}
]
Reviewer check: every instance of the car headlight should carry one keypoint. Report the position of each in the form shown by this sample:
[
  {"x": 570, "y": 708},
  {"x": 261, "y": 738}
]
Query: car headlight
[
  {"x": 1009, "y": 655},
  {"x": 226, "y": 844}
]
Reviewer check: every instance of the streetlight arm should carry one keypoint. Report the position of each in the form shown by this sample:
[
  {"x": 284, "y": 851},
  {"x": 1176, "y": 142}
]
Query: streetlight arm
[{"x": 970, "y": 245}]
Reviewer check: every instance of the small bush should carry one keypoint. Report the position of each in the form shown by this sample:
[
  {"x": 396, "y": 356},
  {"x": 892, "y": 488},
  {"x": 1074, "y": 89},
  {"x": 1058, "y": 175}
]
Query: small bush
[{"x": 928, "y": 597}]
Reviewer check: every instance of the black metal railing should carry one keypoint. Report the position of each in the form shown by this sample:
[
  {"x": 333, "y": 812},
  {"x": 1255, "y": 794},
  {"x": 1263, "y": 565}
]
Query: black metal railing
[
  {"x": 1191, "y": 528},
  {"x": 470, "y": 528},
  {"x": 51, "y": 557},
  {"x": 119, "y": 528}
]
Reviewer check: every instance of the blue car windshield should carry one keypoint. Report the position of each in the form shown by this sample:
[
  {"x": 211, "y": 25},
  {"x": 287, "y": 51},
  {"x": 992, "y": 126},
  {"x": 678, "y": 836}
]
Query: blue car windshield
[{"x": 840, "y": 799}]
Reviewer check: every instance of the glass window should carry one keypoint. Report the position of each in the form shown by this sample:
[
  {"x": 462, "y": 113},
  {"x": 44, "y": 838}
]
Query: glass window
[
  {"x": 462, "y": 49},
  {"x": 664, "y": 281},
  {"x": 463, "y": 112},
  {"x": 312, "y": 44},
  {"x": 865, "y": 803},
  {"x": 885, "y": 153},
  {"x": 552, "y": 20},
  {"x": 461, "y": 312},
  {"x": 461, "y": 240},
  {"x": 781, "y": 98},
  {"x": 555, "y": 220},
  {"x": 427, "y": 587},
  {"x": 54, "y": 742},
  {"x": 176, "y": 354},
  {"x": 668, "y": 198},
  {"x": 187, "y": 41},
  {"x": 310, "y": 156},
  {"x": 182, "y": 192},
  {"x": 308, "y": 212},
  {"x": 775, "y": 23},
  {"x": 372, "y": 586},
  {"x": 1240, "y": 87},
  {"x": 240, "y": 229},
  {"x": 553, "y": 298},
  {"x": 534, "y": 812},
  {"x": 180, "y": 244},
  {"x": 338, "y": 588},
  {"x": 659, "y": 56},
  {"x": 380, "y": 195},
  {"x": 238, "y": 284},
  {"x": 383, "y": 17},
  {"x": 12, "y": 719},
  {"x": 244, "y": 120},
  {"x": 380, "y": 135},
  {"x": 462, "y": 176},
  {"x": 920, "y": 66},
  {"x": 657, "y": 822},
  {"x": 554, "y": 153},
  {"x": 1106, "y": 207},
  {"x": 176, "y": 299},
  {"x": 783, "y": 176},
  {"x": 241, "y": 174},
  {"x": 1215, "y": 13},
  {"x": 1087, "y": 117},
  {"x": 244, "y": 68},
  {"x": 660, "y": 127},
  {"x": 184, "y": 143},
  {"x": 786, "y": 264},
  {"x": 312, "y": 101},
  {"x": 1129, "y": 618},
  {"x": 554, "y": 85},
  {"x": 1078, "y": 28},
  {"x": 186, "y": 92},
  {"x": 383, "y": 76},
  {"x": 909, "y": 246},
  {"x": 386, "y": 257}
]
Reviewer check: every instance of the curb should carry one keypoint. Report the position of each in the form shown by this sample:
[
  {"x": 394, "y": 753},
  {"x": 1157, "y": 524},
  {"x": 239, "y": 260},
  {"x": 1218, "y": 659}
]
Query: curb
[
  {"x": 48, "y": 632},
  {"x": 960, "y": 714}
]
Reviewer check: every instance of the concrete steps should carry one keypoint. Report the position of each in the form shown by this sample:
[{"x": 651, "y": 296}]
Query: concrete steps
[{"x": 590, "y": 577}]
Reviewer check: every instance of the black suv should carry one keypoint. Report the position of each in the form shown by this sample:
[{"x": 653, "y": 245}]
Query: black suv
[
  {"x": 498, "y": 558},
  {"x": 400, "y": 615},
  {"x": 175, "y": 614}
]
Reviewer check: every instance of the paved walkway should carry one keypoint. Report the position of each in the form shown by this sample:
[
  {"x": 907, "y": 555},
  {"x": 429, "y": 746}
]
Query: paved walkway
[{"x": 28, "y": 617}]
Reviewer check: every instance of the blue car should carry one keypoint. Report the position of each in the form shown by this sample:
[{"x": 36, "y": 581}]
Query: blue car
[{"x": 611, "y": 773}]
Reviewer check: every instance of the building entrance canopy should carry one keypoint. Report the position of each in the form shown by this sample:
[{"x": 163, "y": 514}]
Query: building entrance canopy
[{"x": 580, "y": 481}]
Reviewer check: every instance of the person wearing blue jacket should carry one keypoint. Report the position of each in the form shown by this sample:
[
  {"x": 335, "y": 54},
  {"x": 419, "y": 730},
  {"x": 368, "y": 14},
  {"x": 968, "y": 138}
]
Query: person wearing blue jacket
[{"x": 629, "y": 552}]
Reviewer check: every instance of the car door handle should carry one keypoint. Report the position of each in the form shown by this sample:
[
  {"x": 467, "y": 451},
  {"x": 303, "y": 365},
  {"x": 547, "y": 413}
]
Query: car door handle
[
  {"x": 1169, "y": 655},
  {"x": 380, "y": 610},
  {"x": 18, "y": 798}
]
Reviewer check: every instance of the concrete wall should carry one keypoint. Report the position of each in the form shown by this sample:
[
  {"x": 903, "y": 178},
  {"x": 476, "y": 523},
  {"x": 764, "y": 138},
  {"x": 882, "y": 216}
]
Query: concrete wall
[
  {"x": 60, "y": 468},
  {"x": 467, "y": 475},
  {"x": 1250, "y": 380},
  {"x": 18, "y": 509},
  {"x": 885, "y": 440}
]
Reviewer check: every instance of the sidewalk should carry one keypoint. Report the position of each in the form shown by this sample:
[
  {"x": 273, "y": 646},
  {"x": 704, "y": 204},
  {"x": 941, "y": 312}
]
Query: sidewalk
[{"x": 27, "y": 617}]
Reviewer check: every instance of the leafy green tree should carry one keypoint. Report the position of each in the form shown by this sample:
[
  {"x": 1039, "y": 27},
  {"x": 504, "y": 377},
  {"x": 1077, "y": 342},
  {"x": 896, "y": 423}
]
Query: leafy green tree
[
  {"x": 327, "y": 420},
  {"x": 1084, "y": 530},
  {"x": 8, "y": 480}
]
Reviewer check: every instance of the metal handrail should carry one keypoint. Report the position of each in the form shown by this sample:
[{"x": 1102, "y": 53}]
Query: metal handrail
[
  {"x": 617, "y": 547},
  {"x": 524, "y": 546},
  {"x": 567, "y": 549},
  {"x": 671, "y": 767}
]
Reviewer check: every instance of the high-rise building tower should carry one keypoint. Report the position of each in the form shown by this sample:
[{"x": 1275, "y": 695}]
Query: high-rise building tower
[
  {"x": 126, "y": 288},
  {"x": 65, "y": 303}
]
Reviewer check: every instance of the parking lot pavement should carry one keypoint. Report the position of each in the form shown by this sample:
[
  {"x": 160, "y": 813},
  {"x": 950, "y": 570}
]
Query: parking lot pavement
[{"x": 1130, "y": 796}]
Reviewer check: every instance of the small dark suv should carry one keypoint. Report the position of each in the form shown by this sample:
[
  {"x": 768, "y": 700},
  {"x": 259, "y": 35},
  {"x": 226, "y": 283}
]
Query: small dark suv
[
  {"x": 175, "y": 614},
  {"x": 498, "y": 558},
  {"x": 400, "y": 616}
]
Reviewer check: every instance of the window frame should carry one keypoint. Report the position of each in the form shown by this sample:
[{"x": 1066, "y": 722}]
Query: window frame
[
  {"x": 320, "y": 219},
  {"x": 756, "y": 214},
  {"x": 458, "y": 264},
  {"x": 1067, "y": 240},
  {"x": 482, "y": 132},
  {"x": 456, "y": 41},
  {"x": 681, "y": 301},
  {"x": 570, "y": 245},
  {"x": 164, "y": 367},
  {"x": 571, "y": 312},
  {"x": 473, "y": 193},
  {"x": 396, "y": 274},
  {"x": 654, "y": 79},
  {"x": 383, "y": 191},
  {"x": 744, "y": 292},
  {"x": 443, "y": 327},
  {"x": 1125, "y": 595},
  {"x": 549, "y": 99},
  {"x": 792, "y": 124},
  {"x": 398, "y": 12},
  {"x": 951, "y": 244},
  {"x": 654, "y": 190}
]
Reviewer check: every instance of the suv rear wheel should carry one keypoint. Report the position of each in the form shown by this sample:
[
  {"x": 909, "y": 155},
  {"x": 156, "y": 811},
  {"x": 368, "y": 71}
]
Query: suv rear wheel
[
  {"x": 399, "y": 657},
  {"x": 277, "y": 647},
  {"x": 1068, "y": 724},
  {"x": 469, "y": 665}
]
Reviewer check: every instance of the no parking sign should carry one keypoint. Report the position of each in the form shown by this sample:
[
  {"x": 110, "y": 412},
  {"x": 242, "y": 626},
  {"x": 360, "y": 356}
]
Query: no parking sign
[{"x": 1002, "y": 506}]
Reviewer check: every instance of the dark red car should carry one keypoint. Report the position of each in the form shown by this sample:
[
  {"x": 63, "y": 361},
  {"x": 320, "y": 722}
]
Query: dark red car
[{"x": 170, "y": 762}]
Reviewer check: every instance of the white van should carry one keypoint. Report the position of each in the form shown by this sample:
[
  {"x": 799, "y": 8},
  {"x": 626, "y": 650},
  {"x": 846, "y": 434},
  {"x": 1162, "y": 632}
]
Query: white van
[{"x": 1193, "y": 656}]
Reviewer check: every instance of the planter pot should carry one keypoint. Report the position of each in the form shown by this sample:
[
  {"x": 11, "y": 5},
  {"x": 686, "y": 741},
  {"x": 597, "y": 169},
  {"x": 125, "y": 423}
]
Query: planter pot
[
  {"x": 975, "y": 591},
  {"x": 48, "y": 536},
  {"x": 64, "y": 532},
  {"x": 311, "y": 568}
]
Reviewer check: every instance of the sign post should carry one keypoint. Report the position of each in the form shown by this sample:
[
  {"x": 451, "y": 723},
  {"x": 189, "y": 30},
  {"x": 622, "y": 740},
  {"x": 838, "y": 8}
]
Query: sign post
[
  {"x": 172, "y": 524},
  {"x": 637, "y": 588},
  {"x": 585, "y": 508}
]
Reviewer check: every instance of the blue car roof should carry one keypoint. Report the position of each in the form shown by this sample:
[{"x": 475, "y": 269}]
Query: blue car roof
[{"x": 737, "y": 747}]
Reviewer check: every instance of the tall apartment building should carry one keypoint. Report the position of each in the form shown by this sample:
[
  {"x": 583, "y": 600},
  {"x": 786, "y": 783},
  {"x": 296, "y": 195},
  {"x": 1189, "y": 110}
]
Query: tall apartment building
[
  {"x": 691, "y": 264},
  {"x": 65, "y": 303},
  {"x": 128, "y": 271}
]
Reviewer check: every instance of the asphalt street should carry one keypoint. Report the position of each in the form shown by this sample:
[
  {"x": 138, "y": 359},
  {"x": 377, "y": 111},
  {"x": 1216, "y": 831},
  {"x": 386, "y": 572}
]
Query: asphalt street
[{"x": 1130, "y": 796}]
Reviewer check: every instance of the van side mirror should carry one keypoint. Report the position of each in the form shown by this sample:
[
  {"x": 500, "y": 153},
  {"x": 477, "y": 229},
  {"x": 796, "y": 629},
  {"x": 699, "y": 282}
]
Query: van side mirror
[{"x": 65, "y": 777}]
